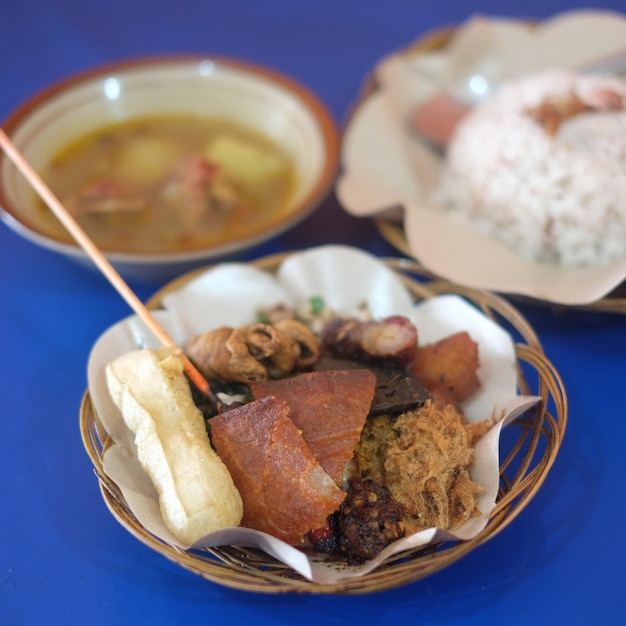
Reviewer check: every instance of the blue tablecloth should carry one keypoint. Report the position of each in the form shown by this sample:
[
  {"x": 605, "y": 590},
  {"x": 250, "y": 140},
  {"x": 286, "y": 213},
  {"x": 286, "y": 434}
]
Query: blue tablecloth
[{"x": 64, "y": 559}]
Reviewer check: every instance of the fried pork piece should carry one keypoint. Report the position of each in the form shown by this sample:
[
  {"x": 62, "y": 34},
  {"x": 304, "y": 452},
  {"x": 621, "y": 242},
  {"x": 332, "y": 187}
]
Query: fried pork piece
[
  {"x": 392, "y": 340},
  {"x": 306, "y": 346},
  {"x": 285, "y": 491},
  {"x": 427, "y": 465},
  {"x": 253, "y": 352},
  {"x": 448, "y": 368},
  {"x": 330, "y": 408}
]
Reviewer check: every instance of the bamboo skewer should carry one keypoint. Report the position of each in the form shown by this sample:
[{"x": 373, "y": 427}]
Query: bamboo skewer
[{"x": 103, "y": 264}]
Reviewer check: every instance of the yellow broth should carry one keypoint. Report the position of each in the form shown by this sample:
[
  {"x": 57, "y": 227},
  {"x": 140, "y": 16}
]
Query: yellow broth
[{"x": 160, "y": 212}]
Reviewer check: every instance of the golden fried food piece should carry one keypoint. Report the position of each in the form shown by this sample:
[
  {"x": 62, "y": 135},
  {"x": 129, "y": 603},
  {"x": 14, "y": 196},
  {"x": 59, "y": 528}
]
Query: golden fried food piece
[
  {"x": 213, "y": 358},
  {"x": 448, "y": 368},
  {"x": 196, "y": 492},
  {"x": 254, "y": 352},
  {"x": 303, "y": 342},
  {"x": 266, "y": 345}
]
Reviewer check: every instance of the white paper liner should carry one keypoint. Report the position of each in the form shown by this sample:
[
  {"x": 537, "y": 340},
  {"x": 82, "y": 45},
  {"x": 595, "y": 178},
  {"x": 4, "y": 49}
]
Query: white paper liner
[
  {"x": 345, "y": 278},
  {"x": 384, "y": 168}
]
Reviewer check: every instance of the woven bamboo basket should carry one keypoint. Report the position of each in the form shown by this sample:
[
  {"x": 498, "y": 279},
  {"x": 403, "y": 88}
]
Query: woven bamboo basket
[
  {"x": 525, "y": 463},
  {"x": 393, "y": 230}
]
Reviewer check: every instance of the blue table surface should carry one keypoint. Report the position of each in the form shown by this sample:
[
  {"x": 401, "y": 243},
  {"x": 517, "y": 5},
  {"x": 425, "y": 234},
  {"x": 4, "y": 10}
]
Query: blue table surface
[{"x": 63, "y": 557}]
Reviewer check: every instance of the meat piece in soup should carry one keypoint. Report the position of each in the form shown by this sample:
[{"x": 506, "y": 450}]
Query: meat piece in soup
[{"x": 170, "y": 184}]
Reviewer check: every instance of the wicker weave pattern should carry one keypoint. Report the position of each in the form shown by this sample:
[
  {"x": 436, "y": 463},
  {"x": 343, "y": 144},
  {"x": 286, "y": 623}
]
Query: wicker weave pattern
[{"x": 524, "y": 467}]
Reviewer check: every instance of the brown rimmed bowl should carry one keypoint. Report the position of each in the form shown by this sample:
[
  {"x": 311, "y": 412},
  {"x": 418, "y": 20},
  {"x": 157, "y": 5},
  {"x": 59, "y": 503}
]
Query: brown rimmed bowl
[{"x": 249, "y": 95}]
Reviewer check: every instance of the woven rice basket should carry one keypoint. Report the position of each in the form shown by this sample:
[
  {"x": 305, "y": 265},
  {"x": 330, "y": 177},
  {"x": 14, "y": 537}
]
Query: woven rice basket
[
  {"x": 393, "y": 230},
  {"x": 526, "y": 461}
]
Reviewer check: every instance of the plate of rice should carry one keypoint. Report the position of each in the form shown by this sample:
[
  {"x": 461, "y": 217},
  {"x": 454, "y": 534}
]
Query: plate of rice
[{"x": 529, "y": 198}]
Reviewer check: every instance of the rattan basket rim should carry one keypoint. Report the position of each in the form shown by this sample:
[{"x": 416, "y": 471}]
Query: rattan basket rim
[{"x": 524, "y": 468}]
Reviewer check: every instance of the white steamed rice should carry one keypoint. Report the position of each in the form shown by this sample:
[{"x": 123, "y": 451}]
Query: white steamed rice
[{"x": 557, "y": 199}]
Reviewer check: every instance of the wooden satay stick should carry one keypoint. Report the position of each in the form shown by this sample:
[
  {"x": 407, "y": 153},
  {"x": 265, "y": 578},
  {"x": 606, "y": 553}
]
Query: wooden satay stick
[{"x": 83, "y": 240}]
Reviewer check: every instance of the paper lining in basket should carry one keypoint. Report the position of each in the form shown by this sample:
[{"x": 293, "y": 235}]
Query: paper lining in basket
[{"x": 230, "y": 294}]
